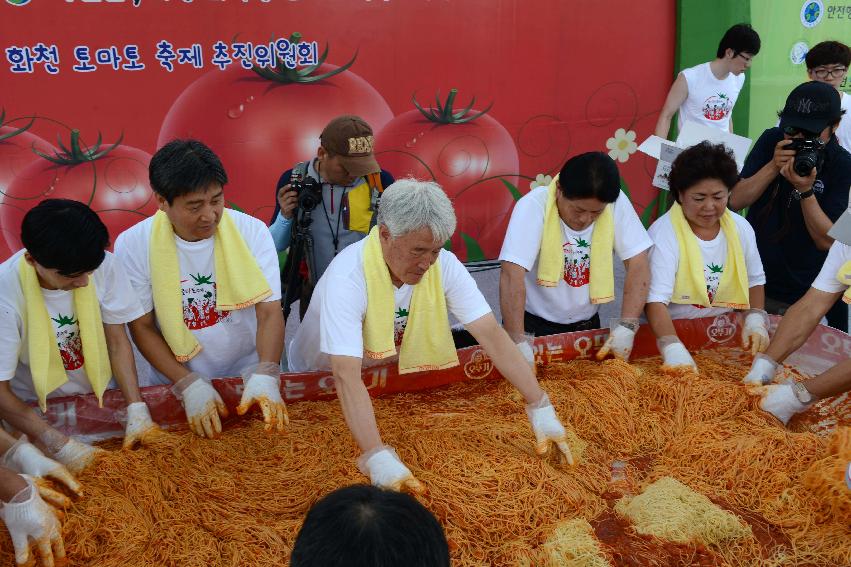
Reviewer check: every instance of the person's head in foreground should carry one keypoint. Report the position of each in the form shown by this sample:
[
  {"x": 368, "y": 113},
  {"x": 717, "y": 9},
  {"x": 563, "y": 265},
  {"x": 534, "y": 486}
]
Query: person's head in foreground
[
  {"x": 366, "y": 526},
  {"x": 827, "y": 62},
  {"x": 65, "y": 242},
  {"x": 587, "y": 183},
  {"x": 700, "y": 180},
  {"x": 189, "y": 179},
  {"x": 415, "y": 219}
]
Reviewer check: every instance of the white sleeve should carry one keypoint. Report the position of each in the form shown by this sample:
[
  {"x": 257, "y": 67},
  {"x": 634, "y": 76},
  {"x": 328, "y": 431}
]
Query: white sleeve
[
  {"x": 118, "y": 301},
  {"x": 463, "y": 298},
  {"x": 341, "y": 311},
  {"x": 523, "y": 237},
  {"x": 11, "y": 323},
  {"x": 664, "y": 259},
  {"x": 263, "y": 247},
  {"x": 826, "y": 279},
  {"x": 132, "y": 252},
  {"x": 756, "y": 273},
  {"x": 630, "y": 237}
]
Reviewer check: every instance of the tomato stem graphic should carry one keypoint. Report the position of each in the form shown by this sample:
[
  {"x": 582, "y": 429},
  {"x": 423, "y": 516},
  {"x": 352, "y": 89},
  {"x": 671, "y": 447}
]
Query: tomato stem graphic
[
  {"x": 283, "y": 74},
  {"x": 443, "y": 113},
  {"x": 76, "y": 154},
  {"x": 13, "y": 133}
]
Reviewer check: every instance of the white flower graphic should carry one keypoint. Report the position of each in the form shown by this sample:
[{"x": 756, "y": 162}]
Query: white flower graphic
[
  {"x": 541, "y": 180},
  {"x": 622, "y": 145}
]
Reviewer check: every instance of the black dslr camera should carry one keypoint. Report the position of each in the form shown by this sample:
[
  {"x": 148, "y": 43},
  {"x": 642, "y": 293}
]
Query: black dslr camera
[
  {"x": 309, "y": 191},
  {"x": 809, "y": 153}
]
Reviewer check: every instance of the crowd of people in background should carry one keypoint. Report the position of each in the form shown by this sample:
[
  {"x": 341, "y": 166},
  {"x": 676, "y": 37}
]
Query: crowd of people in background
[{"x": 199, "y": 288}]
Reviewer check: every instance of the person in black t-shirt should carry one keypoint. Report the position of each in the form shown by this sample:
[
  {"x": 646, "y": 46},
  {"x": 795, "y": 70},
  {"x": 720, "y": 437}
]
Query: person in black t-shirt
[{"x": 791, "y": 213}]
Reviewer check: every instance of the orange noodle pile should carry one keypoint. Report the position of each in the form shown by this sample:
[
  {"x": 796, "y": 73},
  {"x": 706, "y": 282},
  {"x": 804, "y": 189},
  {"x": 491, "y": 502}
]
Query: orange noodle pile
[{"x": 240, "y": 500}]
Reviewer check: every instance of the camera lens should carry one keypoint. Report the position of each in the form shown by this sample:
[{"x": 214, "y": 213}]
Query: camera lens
[{"x": 804, "y": 162}]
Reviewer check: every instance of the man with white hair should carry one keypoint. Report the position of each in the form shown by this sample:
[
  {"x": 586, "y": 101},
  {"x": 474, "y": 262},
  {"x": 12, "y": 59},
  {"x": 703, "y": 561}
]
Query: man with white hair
[{"x": 393, "y": 289}]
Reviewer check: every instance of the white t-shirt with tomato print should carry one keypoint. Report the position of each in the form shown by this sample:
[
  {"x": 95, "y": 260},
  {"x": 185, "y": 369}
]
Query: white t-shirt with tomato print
[
  {"x": 227, "y": 338},
  {"x": 118, "y": 305},
  {"x": 333, "y": 324},
  {"x": 665, "y": 258},
  {"x": 570, "y": 300},
  {"x": 826, "y": 279}
]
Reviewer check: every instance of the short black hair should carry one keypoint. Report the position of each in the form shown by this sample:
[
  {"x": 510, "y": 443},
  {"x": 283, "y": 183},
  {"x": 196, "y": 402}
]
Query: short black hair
[
  {"x": 65, "y": 235},
  {"x": 184, "y": 166},
  {"x": 366, "y": 526},
  {"x": 592, "y": 174},
  {"x": 702, "y": 161},
  {"x": 741, "y": 38},
  {"x": 828, "y": 53}
]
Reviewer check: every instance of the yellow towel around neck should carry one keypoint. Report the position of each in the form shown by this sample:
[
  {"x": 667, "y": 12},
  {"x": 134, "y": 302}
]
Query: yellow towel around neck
[
  {"x": 551, "y": 255},
  {"x": 843, "y": 276},
  {"x": 690, "y": 282},
  {"x": 427, "y": 342},
  {"x": 48, "y": 371},
  {"x": 239, "y": 281}
]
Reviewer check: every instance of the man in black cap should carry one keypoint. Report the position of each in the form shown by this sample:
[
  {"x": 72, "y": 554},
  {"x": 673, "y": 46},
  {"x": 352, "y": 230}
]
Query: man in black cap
[
  {"x": 350, "y": 181},
  {"x": 796, "y": 181}
]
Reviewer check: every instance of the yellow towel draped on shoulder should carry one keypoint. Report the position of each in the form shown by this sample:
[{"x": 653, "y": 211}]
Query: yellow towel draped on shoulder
[
  {"x": 551, "y": 255},
  {"x": 843, "y": 276},
  {"x": 427, "y": 342},
  {"x": 690, "y": 282},
  {"x": 239, "y": 281},
  {"x": 48, "y": 371}
]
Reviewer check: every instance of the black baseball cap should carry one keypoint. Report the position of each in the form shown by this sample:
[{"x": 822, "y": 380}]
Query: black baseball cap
[{"x": 811, "y": 106}]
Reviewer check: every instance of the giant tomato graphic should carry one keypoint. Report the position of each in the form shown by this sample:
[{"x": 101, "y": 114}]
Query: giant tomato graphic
[
  {"x": 261, "y": 122},
  {"x": 474, "y": 159},
  {"x": 112, "y": 181}
]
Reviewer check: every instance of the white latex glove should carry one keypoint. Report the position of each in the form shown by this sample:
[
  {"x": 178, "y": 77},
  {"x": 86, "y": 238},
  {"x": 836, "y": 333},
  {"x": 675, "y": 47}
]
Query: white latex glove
[
  {"x": 263, "y": 387},
  {"x": 674, "y": 353},
  {"x": 620, "y": 340},
  {"x": 780, "y": 401},
  {"x": 755, "y": 331},
  {"x": 385, "y": 470},
  {"x": 547, "y": 428},
  {"x": 202, "y": 404},
  {"x": 526, "y": 350},
  {"x": 28, "y": 517},
  {"x": 76, "y": 456},
  {"x": 140, "y": 427},
  {"x": 26, "y": 458},
  {"x": 762, "y": 371}
]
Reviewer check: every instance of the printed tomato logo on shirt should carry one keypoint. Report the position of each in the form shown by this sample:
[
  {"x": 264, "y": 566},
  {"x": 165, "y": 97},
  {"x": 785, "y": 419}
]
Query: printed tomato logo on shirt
[
  {"x": 712, "y": 273},
  {"x": 69, "y": 341},
  {"x": 199, "y": 302},
  {"x": 577, "y": 262},
  {"x": 717, "y": 107},
  {"x": 399, "y": 324}
]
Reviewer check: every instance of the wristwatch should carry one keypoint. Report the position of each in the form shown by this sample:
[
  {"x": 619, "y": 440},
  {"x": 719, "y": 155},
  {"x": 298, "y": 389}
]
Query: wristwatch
[
  {"x": 801, "y": 195},
  {"x": 804, "y": 396}
]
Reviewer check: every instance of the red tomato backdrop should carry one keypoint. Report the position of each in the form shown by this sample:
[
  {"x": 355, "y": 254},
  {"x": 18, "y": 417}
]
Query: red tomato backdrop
[{"x": 559, "y": 78}]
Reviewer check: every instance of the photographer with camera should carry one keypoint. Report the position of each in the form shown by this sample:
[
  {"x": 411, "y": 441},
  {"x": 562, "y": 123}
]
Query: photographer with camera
[
  {"x": 326, "y": 204},
  {"x": 795, "y": 181}
]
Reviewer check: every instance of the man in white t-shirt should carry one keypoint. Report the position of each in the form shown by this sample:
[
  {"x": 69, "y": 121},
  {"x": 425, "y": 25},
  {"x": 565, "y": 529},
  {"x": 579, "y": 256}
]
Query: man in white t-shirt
[
  {"x": 67, "y": 299},
  {"x": 785, "y": 400},
  {"x": 707, "y": 92},
  {"x": 587, "y": 185},
  {"x": 393, "y": 289},
  {"x": 827, "y": 62},
  {"x": 186, "y": 333}
]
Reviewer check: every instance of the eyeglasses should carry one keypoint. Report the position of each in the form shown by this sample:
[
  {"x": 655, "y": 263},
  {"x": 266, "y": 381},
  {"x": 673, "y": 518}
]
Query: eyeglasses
[
  {"x": 834, "y": 73},
  {"x": 793, "y": 131},
  {"x": 747, "y": 58}
]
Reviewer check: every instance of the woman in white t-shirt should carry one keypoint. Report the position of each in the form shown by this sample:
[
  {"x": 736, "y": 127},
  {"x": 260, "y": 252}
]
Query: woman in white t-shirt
[
  {"x": 785, "y": 400},
  {"x": 705, "y": 261}
]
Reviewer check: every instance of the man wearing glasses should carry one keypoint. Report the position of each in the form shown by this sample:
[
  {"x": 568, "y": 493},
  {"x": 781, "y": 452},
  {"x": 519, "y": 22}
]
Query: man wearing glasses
[
  {"x": 707, "y": 92},
  {"x": 793, "y": 204},
  {"x": 827, "y": 62}
]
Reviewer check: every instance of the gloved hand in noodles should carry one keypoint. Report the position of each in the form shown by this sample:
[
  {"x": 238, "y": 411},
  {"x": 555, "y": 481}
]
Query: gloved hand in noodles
[
  {"x": 674, "y": 353},
  {"x": 77, "y": 456},
  {"x": 140, "y": 427},
  {"x": 548, "y": 429},
  {"x": 781, "y": 401},
  {"x": 620, "y": 340},
  {"x": 385, "y": 470},
  {"x": 28, "y": 517},
  {"x": 262, "y": 386},
  {"x": 26, "y": 458},
  {"x": 202, "y": 403},
  {"x": 762, "y": 370},
  {"x": 755, "y": 331}
]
